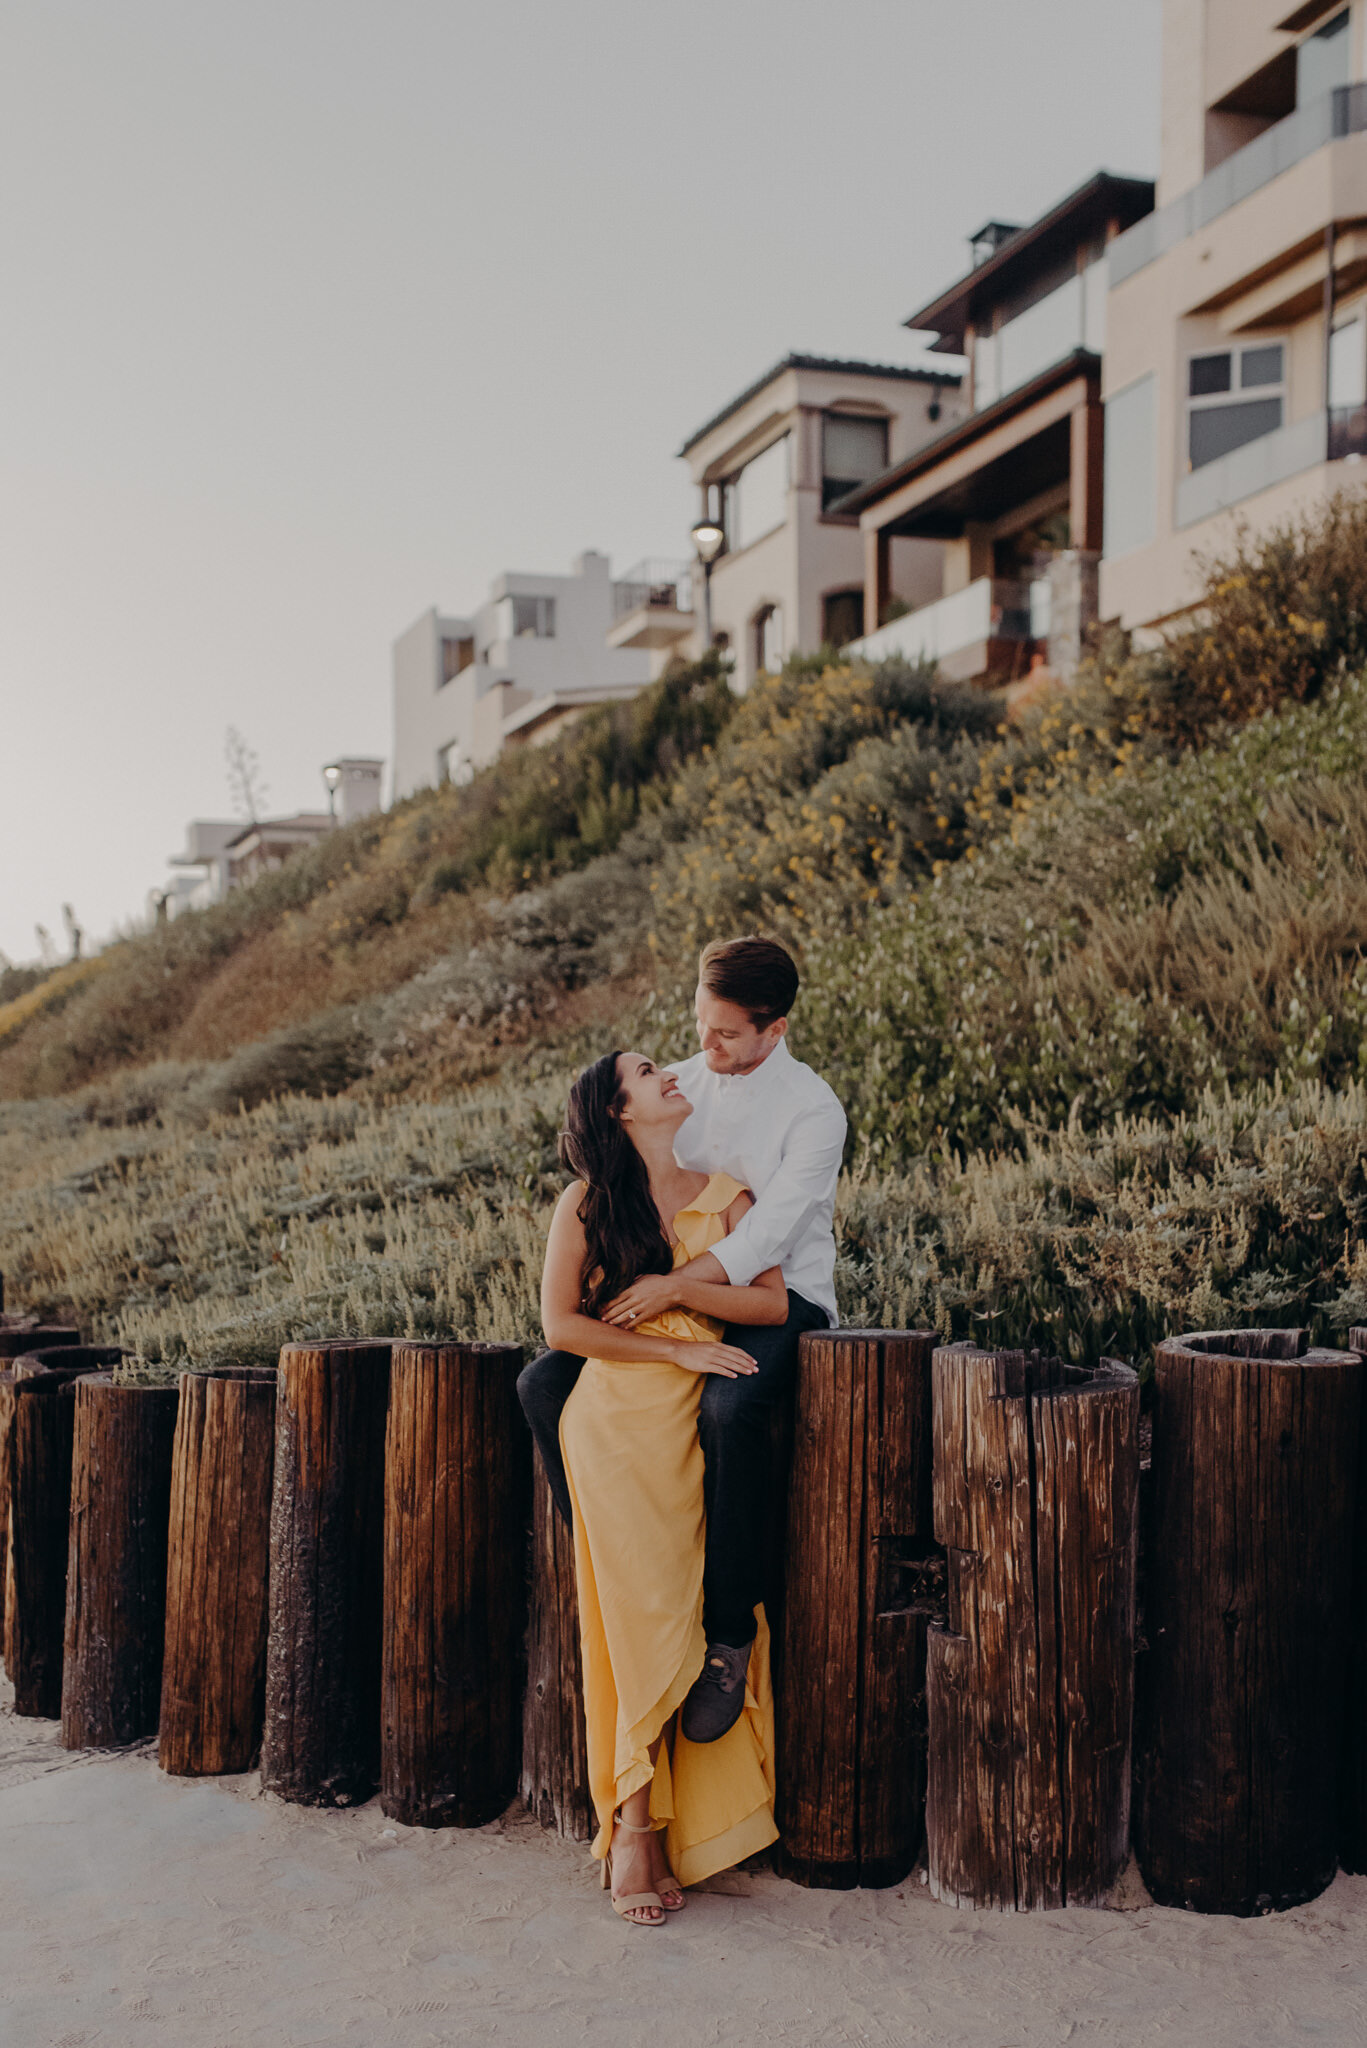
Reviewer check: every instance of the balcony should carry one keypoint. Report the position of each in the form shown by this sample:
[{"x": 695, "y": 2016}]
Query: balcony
[
  {"x": 652, "y": 606},
  {"x": 1324, "y": 120},
  {"x": 989, "y": 629},
  {"x": 1271, "y": 459}
]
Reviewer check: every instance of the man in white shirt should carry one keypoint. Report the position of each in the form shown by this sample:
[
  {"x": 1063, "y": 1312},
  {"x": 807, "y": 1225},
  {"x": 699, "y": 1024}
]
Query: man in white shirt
[{"x": 775, "y": 1126}]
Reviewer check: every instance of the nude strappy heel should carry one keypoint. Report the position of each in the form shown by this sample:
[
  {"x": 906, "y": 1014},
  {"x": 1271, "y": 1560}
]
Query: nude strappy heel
[{"x": 633, "y": 1901}]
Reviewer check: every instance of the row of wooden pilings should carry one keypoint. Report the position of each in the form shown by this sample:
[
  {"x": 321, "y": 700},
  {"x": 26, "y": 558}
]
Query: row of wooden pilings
[{"x": 327, "y": 1566}]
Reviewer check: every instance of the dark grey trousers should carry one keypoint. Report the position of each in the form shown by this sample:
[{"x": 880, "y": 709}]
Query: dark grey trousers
[{"x": 733, "y": 1425}]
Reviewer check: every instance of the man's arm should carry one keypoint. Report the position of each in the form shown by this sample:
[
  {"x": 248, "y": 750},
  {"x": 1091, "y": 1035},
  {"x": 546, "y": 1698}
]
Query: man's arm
[{"x": 802, "y": 1188}]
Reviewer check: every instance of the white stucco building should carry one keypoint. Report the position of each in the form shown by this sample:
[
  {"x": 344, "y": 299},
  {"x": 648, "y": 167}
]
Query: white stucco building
[
  {"x": 770, "y": 467},
  {"x": 515, "y": 670}
]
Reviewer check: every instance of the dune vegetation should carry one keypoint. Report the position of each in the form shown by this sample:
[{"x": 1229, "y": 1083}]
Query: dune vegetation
[{"x": 1093, "y": 988}]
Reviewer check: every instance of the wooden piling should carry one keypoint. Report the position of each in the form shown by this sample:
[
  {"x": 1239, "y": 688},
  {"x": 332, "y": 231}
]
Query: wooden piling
[
  {"x": 457, "y": 1504},
  {"x": 116, "y": 1570},
  {"x": 321, "y": 1735},
  {"x": 1353, "y": 1770},
  {"x": 37, "y": 1495},
  {"x": 217, "y": 1576},
  {"x": 555, "y": 1771},
  {"x": 1255, "y": 1451},
  {"x": 1030, "y": 1680},
  {"x": 851, "y": 1760}
]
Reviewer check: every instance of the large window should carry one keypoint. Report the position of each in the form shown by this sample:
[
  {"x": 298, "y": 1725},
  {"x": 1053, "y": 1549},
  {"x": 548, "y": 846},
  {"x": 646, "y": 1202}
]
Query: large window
[
  {"x": 756, "y": 501},
  {"x": 1131, "y": 495},
  {"x": 1323, "y": 60},
  {"x": 533, "y": 618},
  {"x": 1234, "y": 395},
  {"x": 852, "y": 450}
]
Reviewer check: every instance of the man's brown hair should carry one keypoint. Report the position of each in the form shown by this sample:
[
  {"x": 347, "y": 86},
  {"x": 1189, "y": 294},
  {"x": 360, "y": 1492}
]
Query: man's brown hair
[{"x": 756, "y": 974}]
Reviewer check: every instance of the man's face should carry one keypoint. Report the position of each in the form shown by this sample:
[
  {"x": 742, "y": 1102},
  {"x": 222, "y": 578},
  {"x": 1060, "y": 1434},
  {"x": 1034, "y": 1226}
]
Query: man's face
[{"x": 732, "y": 1043}]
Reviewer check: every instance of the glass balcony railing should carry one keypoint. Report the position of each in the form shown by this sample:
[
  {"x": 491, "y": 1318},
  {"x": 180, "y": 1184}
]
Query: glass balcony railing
[
  {"x": 1327, "y": 119},
  {"x": 990, "y": 609},
  {"x": 655, "y": 585}
]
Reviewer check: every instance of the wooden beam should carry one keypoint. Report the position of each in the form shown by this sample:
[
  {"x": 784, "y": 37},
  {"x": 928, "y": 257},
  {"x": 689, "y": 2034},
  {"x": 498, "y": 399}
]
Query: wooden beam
[{"x": 1087, "y": 474}]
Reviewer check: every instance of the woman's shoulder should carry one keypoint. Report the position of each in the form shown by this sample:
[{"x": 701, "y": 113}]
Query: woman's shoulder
[{"x": 718, "y": 1195}]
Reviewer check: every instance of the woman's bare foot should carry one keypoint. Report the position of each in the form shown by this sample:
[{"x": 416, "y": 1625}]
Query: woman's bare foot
[{"x": 636, "y": 1865}]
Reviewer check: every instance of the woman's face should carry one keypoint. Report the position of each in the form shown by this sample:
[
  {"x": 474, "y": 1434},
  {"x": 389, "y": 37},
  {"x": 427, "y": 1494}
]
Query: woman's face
[{"x": 650, "y": 1096}]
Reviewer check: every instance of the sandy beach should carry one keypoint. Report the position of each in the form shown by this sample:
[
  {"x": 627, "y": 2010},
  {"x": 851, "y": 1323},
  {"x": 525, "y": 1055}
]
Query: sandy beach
[{"x": 135, "y": 1908}]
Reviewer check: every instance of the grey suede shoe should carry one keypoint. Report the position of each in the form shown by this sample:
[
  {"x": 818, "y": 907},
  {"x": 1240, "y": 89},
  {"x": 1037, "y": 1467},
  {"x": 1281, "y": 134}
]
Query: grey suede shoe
[{"x": 717, "y": 1694}]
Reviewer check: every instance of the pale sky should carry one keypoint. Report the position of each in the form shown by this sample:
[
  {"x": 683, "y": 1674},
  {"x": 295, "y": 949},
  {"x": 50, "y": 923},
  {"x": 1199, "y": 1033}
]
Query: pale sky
[{"x": 315, "y": 315}]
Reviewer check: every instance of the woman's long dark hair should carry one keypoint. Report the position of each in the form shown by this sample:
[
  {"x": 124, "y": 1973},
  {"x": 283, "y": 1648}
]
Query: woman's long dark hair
[{"x": 626, "y": 1237}]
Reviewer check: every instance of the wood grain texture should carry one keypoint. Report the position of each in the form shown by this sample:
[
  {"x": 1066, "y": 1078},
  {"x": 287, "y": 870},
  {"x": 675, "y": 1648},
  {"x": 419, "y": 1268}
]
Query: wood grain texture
[
  {"x": 35, "y": 1495},
  {"x": 19, "y": 1335},
  {"x": 1030, "y": 1680},
  {"x": 555, "y": 1772},
  {"x": 213, "y": 1684},
  {"x": 321, "y": 1735},
  {"x": 39, "y": 1515},
  {"x": 116, "y": 1568},
  {"x": 1353, "y": 1771},
  {"x": 457, "y": 1507},
  {"x": 1255, "y": 1448},
  {"x": 850, "y": 1753}
]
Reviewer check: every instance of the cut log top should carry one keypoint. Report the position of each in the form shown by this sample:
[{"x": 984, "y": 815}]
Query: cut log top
[
  {"x": 26, "y": 1336},
  {"x": 66, "y": 1361},
  {"x": 1256, "y": 1347}
]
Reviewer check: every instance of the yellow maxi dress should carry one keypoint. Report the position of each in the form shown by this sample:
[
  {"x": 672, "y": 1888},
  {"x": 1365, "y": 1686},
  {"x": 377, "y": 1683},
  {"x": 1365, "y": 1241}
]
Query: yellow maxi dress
[{"x": 629, "y": 1434}]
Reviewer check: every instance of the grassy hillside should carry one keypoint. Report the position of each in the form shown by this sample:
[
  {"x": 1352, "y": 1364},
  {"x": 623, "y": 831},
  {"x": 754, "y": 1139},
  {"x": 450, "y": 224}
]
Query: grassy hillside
[{"x": 1094, "y": 993}]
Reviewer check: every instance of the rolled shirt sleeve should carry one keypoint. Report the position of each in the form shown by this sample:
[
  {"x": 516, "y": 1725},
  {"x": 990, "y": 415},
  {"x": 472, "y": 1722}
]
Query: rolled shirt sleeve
[{"x": 803, "y": 1186}]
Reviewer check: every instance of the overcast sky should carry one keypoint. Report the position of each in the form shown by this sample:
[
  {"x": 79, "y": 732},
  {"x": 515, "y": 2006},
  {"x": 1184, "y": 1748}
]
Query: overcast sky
[{"x": 317, "y": 314}]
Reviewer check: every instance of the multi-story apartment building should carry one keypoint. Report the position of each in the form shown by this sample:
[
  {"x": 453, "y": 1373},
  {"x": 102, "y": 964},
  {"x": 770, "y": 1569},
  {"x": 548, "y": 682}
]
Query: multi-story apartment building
[
  {"x": 531, "y": 657},
  {"x": 1236, "y": 357},
  {"x": 770, "y": 466},
  {"x": 1012, "y": 490}
]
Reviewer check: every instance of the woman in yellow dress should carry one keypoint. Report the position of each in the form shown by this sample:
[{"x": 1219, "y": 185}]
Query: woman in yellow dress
[{"x": 629, "y": 1434}]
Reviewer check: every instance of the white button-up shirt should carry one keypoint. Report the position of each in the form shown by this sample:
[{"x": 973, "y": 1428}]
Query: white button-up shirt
[{"x": 781, "y": 1132}]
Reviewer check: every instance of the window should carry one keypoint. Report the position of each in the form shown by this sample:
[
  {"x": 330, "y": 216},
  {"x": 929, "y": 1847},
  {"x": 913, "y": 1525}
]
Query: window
[
  {"x": 456, "y": 654},
  {"x": 1322, "y": 61},
  {"x": 1234, "y": 396},
  {"x": 756, "y": 501},
  {"x": 1131, "y": 490},
  {"x": 842, "y": 616},
  {"x": 533, "y": 618},
  {"x": 769, "y": 639},
  {"x": 1348, "y": 366},
  {"x": 852, "y": 450}
]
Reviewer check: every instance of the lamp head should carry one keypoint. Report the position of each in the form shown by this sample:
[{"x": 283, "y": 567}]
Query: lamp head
[
  {"x": 709, "y": 539},
  {"x": 332, "y": 775}
]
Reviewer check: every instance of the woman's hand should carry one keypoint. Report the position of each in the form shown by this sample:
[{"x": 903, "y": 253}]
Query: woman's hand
[
  {"x": 725, "y": 1359},
  {"x": 649, "y": 1296}
]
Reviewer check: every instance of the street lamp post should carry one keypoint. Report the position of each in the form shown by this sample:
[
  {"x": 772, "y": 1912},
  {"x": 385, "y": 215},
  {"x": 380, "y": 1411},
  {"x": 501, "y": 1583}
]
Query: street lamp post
[
  {"x": 709, "y": 538},
  {"x": 332, "y": 775}
]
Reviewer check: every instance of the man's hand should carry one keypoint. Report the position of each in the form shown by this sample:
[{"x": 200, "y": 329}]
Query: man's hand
[{"x": 647, "y": 1297}]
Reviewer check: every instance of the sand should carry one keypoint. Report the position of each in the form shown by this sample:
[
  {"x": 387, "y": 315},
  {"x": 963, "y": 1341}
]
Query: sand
[{"x": 136, "y": 1909}]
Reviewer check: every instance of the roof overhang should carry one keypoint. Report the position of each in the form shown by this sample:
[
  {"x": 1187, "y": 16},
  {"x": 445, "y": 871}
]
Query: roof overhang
[
  {"x": 1089, "y": 211},
  {"x": 832, "y": 365},
  {"x": 988, "y": 459}
]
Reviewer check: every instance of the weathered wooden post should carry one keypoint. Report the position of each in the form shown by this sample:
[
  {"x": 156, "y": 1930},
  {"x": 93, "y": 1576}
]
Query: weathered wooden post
[
  {"x": 217, "y": 1573},
  {"x": 116, "y": 1570},
  {"x": 320, "y": 1743},
  {"x": 1030, "y": 1683},
  {"x": 1255, "y": 1449},
  {"x": 851, "y": 1760},
  {"x": 457, "y": 1503},
  {"x": 1353, "y": 1775},
  {"x": 38, "y": 1495},
  {"x": 555, "y": 1770},
  {"x": 19, "y": 1334}
]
